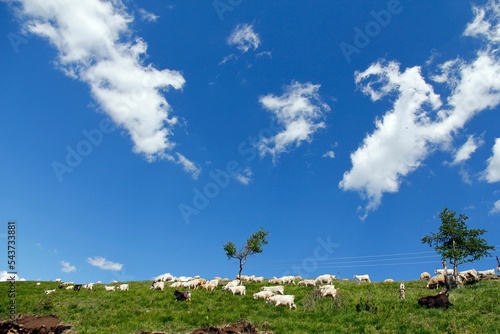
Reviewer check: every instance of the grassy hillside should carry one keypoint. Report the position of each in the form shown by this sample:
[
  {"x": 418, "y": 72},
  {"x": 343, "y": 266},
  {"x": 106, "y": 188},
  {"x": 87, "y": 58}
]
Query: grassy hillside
[{"x": 476, "y": 309}]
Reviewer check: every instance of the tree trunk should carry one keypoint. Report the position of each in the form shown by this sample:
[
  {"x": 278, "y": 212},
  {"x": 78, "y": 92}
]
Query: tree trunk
[
  {"x": 445, "y": 273},
  {"x": 455, "y": 269},
  {"x": 455, "y": 273},
  {"x": 239, "y": 273}
]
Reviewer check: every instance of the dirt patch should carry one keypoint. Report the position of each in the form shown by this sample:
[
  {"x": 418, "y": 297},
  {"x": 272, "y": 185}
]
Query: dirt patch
[
  {"x": 242, "y": 327},
  {"x": 32, "y": 324}
]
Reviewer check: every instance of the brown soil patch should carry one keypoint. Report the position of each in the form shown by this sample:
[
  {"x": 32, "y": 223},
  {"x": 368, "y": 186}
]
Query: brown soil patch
[
  {"x": 32, "y": 324},
  {"x": 242, "y": 327}
]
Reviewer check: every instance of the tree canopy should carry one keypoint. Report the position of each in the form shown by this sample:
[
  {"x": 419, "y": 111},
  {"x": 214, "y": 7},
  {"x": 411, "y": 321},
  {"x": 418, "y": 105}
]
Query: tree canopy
[
  {"x": 455, "y": 242},
  {"x": 253, "y": 246}
]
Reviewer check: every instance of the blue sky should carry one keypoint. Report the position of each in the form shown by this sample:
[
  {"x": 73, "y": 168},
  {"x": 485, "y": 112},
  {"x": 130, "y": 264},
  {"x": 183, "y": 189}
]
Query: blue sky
[{"x": 138, "y": 137}]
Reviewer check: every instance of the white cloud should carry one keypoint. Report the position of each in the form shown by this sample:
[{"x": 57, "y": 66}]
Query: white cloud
[
  {"x": 104, "y": 264},
  {"x": 5, "y": 276},
  {"x": 245, "y": 177},
  {"x": 147, "y": 16},
  {"x": 95, "y": 45},
  {"x": 496, "y": 208},
  {"x": 492, "y": 172},
  {"x": 486, "y": 22},
  {"x": 464, "y": 152},
  {"x": 300, "y": 111},
  {"x": 244, "y": 37},
  {"x": 264, "y": 54},
  {"x": 188, "y": 165},
  {"x": 417, "y": 124},
  {"x": 227, "y": 58},
  {"x": 67, "y": 267},
  {"x": 329, "y": 154},
  {"x": 398, "y": 144}
]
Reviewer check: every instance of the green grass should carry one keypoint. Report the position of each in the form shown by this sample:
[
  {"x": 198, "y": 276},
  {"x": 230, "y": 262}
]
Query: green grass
[{"x": 476, "y": 309}]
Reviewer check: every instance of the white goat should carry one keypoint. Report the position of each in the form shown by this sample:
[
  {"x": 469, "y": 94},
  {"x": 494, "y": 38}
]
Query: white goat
[
  {"x": 307, "y": 282},
  {"x": 362, "y": 278},
  {"x": 238, "y": 290},
  {"x": 279, "y": 289},
  {"x": 158, "y": 286},
  {"x": 286, "y": 300},
  {"x": 263, "y": 294}
]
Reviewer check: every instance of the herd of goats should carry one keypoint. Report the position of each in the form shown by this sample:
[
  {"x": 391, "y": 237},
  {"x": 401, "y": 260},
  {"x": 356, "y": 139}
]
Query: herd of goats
[{"x": 275, "y": 292}]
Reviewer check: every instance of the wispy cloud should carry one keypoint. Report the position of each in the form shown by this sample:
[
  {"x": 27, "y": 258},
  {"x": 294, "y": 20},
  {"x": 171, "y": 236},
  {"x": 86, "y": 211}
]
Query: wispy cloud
[
  {"x": 418, "y": 124},
  {"x": 486, "y": 22},
  {"x": 67, "y": 267},
  {"x": 329, "y": 154},
  {"x": 96, "y": 45},
  {"x": 496, "y": 208},
  {"x": 492, "y": 172},
  {"x": 227, "y": 58},
  {"x": 244, "y": 38},
  {"x": 464, "y": 152},
  {"x": 188, "y": 165},
  {"x": 299, "y": 111},
  {"x": 104, "y": 264},
  {"x": 264, "y": 54},
  {"x": 147, "y": 16},
  {"x": 245, "y": 177}
]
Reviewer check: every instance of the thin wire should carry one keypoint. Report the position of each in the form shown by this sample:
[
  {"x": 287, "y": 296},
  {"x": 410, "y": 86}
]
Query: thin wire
[{"x": 351, "y": 257}]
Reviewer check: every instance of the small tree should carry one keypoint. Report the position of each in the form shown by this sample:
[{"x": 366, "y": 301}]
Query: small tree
[
  {"x": 254, "y": 245},
  {"x": 455, "y": 242}
]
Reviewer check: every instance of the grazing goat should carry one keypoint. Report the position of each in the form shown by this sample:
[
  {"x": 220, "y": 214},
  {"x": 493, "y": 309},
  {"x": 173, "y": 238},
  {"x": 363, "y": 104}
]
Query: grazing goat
[
  {"x": 362, "y": 278},
  {"x": 157, "y": 286},
  {"x": 435, "y": 281},
  {"x": 286, "y": 300},
  {"x": 425, "y": 276},
  {"x": 280, "y": 289},
  {"x": 263, "y": 294},
  {"x": 440, "y": 300},
  {"x": 182, "y": 295},
  {"x": 307, "y": 282},
  {"x": 325, "y": 279},
  {"x": 238, "y": 290},
  {"x": 328, "y": 290},
  {"x": 484, "y": 273}
]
